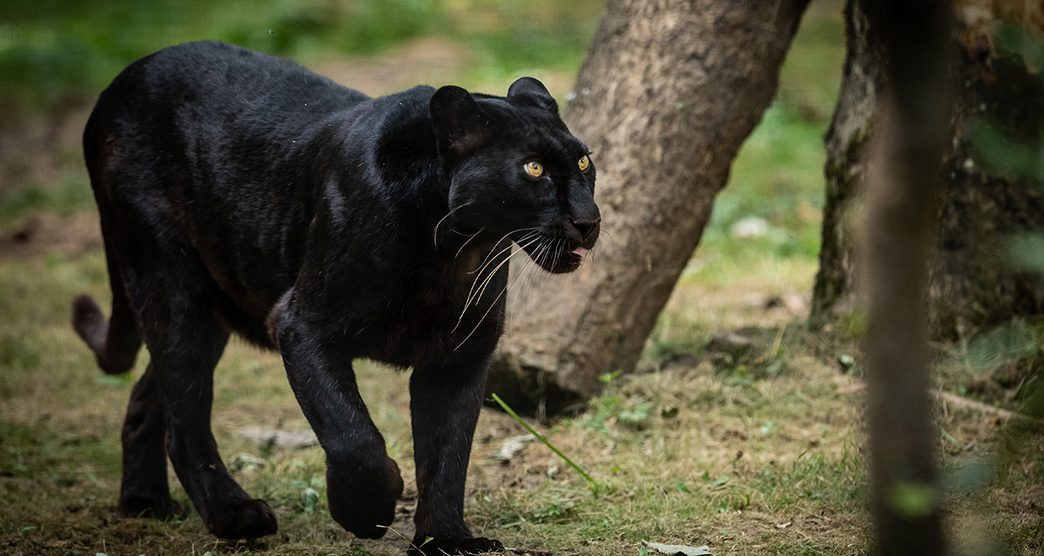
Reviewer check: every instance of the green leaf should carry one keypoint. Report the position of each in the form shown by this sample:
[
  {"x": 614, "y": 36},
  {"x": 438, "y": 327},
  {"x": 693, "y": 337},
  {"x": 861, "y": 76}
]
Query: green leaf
[
  {"x": 635, "y": 415},
  {"x": 310, "y": 499},
  {"x": 912, "y": 500},
  {"x": 846, "y": 362}
]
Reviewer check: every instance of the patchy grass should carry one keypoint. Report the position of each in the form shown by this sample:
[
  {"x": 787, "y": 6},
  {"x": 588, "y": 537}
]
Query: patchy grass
[
  {"x": 751, "y": 448},
  {"x": 730, "y": 450}
]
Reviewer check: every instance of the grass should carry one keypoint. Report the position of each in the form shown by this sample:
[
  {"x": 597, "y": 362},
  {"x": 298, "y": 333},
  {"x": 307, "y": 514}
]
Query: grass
[{"x": 750, "y": 451}]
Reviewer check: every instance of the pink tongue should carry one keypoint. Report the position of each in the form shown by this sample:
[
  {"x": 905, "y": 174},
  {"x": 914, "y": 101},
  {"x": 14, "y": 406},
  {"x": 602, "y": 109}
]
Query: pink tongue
[{"x": 580, "y": 251}]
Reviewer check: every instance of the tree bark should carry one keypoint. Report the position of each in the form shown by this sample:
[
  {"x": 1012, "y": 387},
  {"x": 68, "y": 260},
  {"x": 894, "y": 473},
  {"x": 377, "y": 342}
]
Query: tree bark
[
  {"x": 668, "y": 92},
  {"x": 972, "y": 284}
]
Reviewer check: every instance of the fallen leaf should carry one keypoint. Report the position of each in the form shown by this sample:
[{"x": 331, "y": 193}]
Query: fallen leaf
[
  {"x": 678, "y": 549},
  {"x": 512, "y": 447}
]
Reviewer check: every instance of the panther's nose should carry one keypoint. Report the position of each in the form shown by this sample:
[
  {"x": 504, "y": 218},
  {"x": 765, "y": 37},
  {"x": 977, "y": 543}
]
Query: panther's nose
[{"x": 587, "y": 228}]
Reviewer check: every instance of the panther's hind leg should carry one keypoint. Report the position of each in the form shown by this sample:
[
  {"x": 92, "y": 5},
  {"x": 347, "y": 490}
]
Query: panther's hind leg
[
  {"x": 144, "y": 491},
  {"x": 171, "y": 293},
  {"x": 186, "y": 341}
]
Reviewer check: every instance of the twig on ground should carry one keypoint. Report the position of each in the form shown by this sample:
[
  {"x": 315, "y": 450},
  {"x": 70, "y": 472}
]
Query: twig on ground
[
  {"x": 1002, "y": 413},
  {"x": 961, "y": 402}
]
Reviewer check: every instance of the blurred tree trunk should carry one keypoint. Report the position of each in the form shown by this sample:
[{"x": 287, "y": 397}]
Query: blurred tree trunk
[
  {"x": 898, "y": 226},
  {"x": 668, "y": 92},
  {"x": 972, "y": 284}
]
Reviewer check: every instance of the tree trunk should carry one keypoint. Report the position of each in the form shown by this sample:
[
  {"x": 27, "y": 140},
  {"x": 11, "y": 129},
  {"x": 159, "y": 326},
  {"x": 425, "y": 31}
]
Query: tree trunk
[
  {"x": 898, "y": 226},
  {"x": 972, "y": 283},
  {"x": 668, "y": 92}
]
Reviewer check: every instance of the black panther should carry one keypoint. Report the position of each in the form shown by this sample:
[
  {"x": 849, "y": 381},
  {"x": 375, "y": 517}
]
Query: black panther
[{"x": 239, "y": 192}]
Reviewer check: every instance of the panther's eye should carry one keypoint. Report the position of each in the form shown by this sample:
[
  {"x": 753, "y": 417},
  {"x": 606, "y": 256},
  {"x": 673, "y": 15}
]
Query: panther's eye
[
  {"x": 584, "y": 163},
  {"x": 534, "y": 169}
]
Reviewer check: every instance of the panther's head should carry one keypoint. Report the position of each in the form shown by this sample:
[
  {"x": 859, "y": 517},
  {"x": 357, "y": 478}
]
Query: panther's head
[{"x": 516, "y": 171}]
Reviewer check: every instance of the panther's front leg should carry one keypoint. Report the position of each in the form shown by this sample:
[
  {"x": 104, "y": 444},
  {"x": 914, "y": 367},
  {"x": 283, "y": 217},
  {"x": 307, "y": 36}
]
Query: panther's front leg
[
  {"x": 362, "y": 482},
  {"x": 445, "y": 399}
]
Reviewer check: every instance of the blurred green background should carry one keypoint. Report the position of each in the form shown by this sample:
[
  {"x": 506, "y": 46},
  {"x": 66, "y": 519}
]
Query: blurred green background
[{"x": 55, "y": 50}]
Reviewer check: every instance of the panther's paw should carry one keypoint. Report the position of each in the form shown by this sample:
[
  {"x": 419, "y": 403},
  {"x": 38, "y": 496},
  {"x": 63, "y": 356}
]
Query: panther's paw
[
  {"x": 363, "y": 500},
  {"x": 242, "y": 519}
]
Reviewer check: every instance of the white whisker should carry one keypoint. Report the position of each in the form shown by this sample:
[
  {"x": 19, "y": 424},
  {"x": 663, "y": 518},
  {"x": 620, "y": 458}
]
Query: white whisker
[
  {"x": 502, "y": 238},
  {"x": 489, "y": 277},
  {"x": 435, "y": 232},
  {"x": 490, "y": 260},
  {"x": 467, "y": 241},
  {"x": 523, "y": 277},
  {"x": 488, "y": 309},
  {"x": 559, "y": 248},
  {"x": 472, "y": 294}
]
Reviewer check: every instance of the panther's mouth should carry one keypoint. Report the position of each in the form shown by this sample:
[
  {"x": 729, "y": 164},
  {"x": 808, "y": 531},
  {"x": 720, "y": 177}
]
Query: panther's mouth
[{"x": 554, "y": 254}]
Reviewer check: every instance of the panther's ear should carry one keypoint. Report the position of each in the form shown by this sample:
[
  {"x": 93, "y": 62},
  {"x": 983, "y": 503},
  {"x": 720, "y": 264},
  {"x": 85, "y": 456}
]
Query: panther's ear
[
  {"x": 527, "y": 90},
  {"x": 459, "y": 123}
]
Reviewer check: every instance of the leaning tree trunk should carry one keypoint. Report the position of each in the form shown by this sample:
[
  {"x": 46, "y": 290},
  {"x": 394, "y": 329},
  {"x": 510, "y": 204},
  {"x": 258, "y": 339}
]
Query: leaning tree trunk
[
  {"x": 668, "y": 92},
  {"x": 972, "y": 283}
]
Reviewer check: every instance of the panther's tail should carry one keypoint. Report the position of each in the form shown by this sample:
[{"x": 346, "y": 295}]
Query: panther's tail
[{"x": 116, "y": 341}]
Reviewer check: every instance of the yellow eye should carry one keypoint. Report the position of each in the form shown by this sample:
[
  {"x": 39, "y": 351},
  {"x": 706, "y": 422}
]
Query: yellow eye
[
  {"x": 534, "y": 169},
  {"x": 584, "y": 163}
]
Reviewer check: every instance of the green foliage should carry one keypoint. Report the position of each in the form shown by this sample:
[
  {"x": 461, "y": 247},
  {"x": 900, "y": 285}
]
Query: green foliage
[
  {"x": 636, "y": 415},
  {"x": 557, "y": 510},
  {"x": 609, "y": 410}
]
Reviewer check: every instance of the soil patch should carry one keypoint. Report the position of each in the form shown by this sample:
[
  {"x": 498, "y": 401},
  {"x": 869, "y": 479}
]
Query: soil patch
[{"x": 48, "y": 233}]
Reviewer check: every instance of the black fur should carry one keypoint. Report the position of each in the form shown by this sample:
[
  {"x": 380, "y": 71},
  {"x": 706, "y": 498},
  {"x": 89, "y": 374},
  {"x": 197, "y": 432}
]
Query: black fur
[{"x": 241, "y": 193}]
